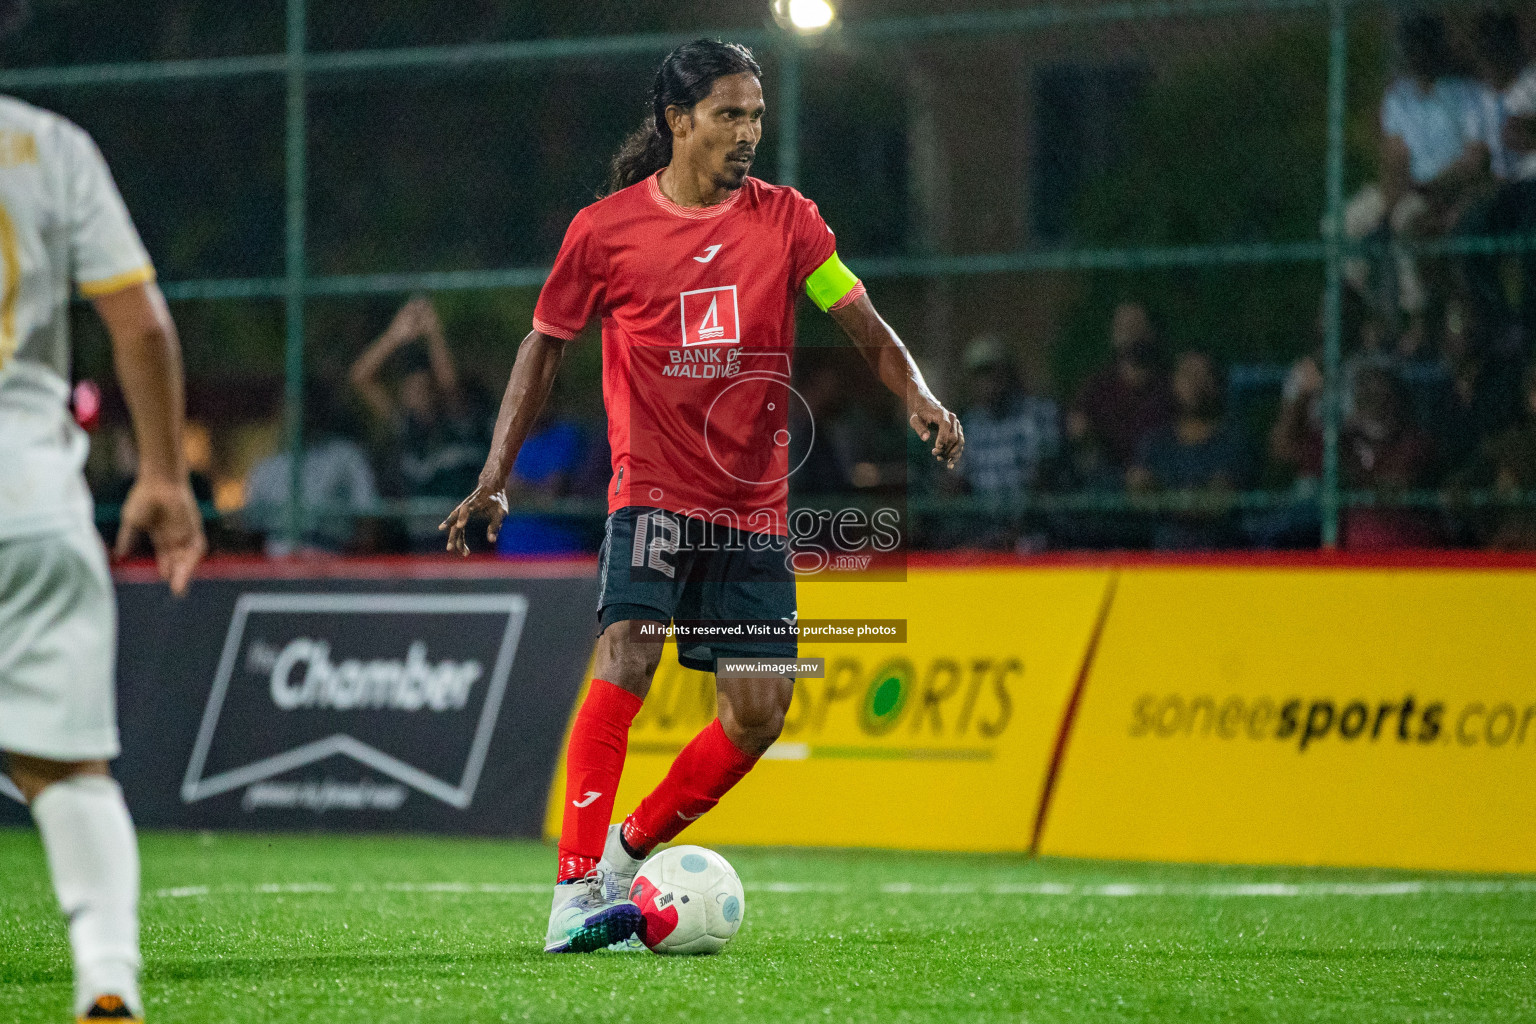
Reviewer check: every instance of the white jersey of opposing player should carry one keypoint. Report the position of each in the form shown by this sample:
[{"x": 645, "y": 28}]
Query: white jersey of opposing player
[{"x": 62, "y": 224}]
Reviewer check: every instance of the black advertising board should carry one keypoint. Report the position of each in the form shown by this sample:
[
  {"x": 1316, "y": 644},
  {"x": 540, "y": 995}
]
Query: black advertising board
[{"x": 376, "y": 702}]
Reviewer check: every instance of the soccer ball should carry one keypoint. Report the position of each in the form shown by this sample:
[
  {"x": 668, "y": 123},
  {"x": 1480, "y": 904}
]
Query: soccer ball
[{"x": 691, "y": 898}]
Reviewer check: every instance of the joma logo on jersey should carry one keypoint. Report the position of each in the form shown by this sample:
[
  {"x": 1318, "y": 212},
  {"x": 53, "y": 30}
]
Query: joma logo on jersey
[{"x": 710, "y": 317}]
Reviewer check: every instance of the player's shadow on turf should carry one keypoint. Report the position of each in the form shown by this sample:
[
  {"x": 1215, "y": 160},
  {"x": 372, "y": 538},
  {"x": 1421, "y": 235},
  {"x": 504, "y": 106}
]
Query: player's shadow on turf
[{"x": 296, "y": 965}]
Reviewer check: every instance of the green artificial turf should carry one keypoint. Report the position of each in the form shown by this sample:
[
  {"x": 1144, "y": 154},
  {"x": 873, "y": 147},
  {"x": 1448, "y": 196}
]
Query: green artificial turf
[{"x": 245, "y": 928}]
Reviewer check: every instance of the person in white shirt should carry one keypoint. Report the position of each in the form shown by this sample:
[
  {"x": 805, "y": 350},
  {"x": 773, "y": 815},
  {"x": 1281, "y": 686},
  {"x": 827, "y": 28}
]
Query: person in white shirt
[
  {"x": 63, "y": 226},
  {"x": 336, "y": 483},
  {"x": 1433, "y": 151}
]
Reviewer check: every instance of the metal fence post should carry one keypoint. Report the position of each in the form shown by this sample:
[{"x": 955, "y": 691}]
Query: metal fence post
[
  {"x": 789, "y": 109},
  {"x": 1333, "y": 232},
  {"x": 295, "y": 155}
]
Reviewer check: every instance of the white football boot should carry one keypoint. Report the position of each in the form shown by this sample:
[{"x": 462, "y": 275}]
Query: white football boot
[
  {"x": 585, "y": 917},
  {"x": 619, "y": 870}
]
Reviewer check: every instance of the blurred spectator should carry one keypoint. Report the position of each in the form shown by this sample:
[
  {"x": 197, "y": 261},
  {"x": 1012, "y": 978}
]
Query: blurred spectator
[
  {"x": 1012, "y": 444},
  {"x": 1198, "y": 453},
  {"x": 546, "y": 465},
  {"x": 1011, "y": 436},
  {"x": 1506, "y": 463},
  {"x": 1432, "y": 153},
  {"x": 435, "y": 446},
  {"x": 1126, "y": 401},
  {"x": 1508, "y": 77},
  {"x": 817, "y": 447},
  {"x": 1380, "y": 450},
  {"x": 336, "y": 482},
  {"x": 1479, "y": 399}
]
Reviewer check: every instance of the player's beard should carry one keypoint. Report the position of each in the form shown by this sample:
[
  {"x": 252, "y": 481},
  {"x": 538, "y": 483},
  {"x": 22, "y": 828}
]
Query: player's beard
[{"x": 733, "y": 174}]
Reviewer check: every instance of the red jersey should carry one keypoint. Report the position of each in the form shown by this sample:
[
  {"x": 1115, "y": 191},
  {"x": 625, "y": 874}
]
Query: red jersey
[{"x": 698, "y": 312}]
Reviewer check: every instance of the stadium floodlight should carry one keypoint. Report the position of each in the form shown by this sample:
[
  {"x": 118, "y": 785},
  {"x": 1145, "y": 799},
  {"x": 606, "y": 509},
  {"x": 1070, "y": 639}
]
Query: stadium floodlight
[{"x": 804, "y": 16}]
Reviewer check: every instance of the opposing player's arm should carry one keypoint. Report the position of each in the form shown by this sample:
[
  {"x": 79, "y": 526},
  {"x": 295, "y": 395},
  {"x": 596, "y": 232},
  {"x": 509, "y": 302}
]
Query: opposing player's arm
[
  {"x": 533, "y": 374},
  {"x": 833, "y": 288},
  {"x": 147, "y": 354}
]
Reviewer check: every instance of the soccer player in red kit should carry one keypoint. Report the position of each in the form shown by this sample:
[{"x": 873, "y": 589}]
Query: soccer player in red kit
[{"x": 694, "y": 268}]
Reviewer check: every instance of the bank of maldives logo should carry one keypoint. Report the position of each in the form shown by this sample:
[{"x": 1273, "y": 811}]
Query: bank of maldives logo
[
  {"x": 409, "y": 685},
  {"x": 710, "y": 316}
]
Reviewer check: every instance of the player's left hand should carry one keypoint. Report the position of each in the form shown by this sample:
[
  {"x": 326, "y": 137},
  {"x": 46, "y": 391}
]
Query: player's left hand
[
  {"x": 166, "y": 512},
  {"x": 483, "y": 501},
  {"x": 928, "y": 414}
]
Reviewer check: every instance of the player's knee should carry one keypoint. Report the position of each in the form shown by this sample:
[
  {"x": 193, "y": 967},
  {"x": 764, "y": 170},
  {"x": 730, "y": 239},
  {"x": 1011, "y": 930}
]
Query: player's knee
[
  {"x": 626, "y": 662},
  {"x": 32, "y": 775},
  {"x": 753, "y": 724},
  {"x": 753, "y": 738}
]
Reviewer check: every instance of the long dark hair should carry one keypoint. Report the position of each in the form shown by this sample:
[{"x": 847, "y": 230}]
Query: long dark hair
[{"x": 685, "y": 77}]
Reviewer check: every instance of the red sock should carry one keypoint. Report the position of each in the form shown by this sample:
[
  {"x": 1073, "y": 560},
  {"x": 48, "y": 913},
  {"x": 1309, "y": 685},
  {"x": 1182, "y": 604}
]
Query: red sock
[
  {"x": 593, "y": 763},
  {"x": 704, "y": 771}
]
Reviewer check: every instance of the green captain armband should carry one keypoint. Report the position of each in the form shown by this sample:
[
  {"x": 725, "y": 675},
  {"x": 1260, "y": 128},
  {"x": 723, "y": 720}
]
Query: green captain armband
[{"x": 830, "y": 283}]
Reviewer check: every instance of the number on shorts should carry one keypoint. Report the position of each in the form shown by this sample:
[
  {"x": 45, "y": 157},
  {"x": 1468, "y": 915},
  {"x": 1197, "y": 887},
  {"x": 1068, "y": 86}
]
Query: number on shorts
[{"x": 665, "y": 539}]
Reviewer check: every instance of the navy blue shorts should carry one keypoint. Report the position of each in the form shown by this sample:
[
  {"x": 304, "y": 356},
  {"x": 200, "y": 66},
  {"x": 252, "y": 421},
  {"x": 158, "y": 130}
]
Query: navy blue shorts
[{"x": 661, "y": 566}]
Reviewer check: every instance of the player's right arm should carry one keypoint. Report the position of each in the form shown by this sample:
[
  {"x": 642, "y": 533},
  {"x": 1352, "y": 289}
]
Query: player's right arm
[
  {"x": 533, "y": 375},
  {"x": 569, "y": 299},
  {"x": 160, "y": 504}
]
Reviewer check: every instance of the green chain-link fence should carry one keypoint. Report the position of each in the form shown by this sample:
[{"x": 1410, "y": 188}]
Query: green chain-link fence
[{"x": 793, "y": 82}]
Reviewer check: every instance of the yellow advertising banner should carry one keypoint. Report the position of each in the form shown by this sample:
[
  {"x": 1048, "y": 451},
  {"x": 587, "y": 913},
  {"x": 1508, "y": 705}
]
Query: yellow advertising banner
[
  {"x": 1338, "y": 717},
  {"x": 939, "y": 743}
]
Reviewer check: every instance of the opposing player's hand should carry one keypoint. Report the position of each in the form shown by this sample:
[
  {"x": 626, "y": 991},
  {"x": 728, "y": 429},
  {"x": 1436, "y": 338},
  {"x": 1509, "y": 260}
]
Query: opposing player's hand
[
  {"x": 166, "y": 512},
  {"x": 483, "y": 501},
  {"x": 932, "y": 421}
]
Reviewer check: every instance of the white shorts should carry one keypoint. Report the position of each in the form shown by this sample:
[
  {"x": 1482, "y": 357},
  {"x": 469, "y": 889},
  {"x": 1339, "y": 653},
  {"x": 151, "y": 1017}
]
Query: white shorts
[{"x": 58, "y": 645}]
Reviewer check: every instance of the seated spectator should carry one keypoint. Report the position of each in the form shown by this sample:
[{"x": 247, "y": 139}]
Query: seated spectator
[
  {"x": 1012, "y": 445},
  {"x": 1380, "y": 449},
  {"x": 1507, "y": 463},
  {"x": 1198, "y": 453},
  {"x": 336, "y": 484},
  {"x": 1480, "y": 399},
  {"x": 1433, "y": 153},
  {"x": 546, "y": 465},
  {"x": 818, "y": 449},
  {"x": 1127, "y": 400},
  {"x": 435, "y": 446},
  {"x": 1011, "y": 436},
  {"x": 1508, "y": 76}
]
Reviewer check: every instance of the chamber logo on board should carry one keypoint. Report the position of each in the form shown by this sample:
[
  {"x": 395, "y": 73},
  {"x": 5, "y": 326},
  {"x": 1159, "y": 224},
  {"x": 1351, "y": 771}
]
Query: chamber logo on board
[{"x": 407, "y": 685}]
